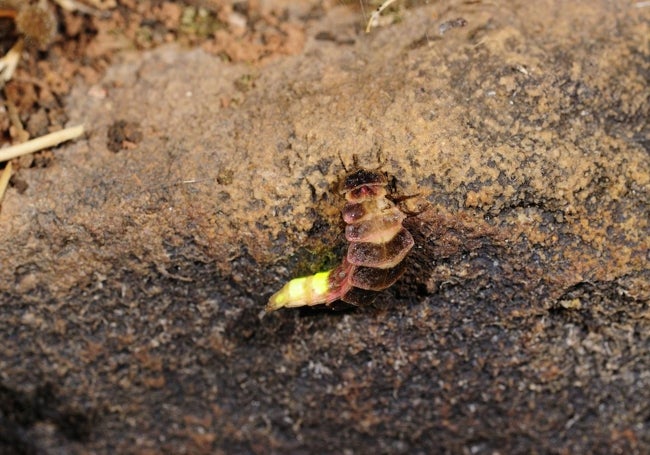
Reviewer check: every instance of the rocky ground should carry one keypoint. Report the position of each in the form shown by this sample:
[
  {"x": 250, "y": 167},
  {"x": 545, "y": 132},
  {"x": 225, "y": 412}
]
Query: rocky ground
[{"x": 137, "y": 260}]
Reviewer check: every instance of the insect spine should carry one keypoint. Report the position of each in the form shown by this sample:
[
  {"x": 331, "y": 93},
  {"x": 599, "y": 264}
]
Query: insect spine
[{"x": 375, "y": 258}]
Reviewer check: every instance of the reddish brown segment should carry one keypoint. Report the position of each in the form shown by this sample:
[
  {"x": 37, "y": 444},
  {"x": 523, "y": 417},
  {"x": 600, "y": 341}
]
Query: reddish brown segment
[
  {"x": 373, "y": 279},
  {"x": 378, "y": 241},
  {"x": 381, "y": 255}
]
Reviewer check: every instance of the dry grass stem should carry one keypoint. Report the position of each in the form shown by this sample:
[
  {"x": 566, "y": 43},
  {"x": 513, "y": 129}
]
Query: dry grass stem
[
  {"x": 9, "y": 62},
  {"x": 4, "y": 180},
  {"x": 374, "y": 17},
  {"x": 40, "y": 143}
]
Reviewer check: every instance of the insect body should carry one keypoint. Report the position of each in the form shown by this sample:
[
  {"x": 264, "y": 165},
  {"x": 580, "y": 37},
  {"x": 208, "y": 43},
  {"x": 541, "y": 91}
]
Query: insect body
[{"x": 378, "y": 245}]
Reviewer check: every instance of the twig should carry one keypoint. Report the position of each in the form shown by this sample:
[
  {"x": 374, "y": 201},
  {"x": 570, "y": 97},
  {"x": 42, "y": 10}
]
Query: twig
[
  {"x": 19, "y": 135},
  {"x": 4, "y": 180},
  {"x": 9, "y": 62},
  {"x": 40, "y": 143},
  {"x": 374, "y": 17},
  {"x": 74, "y": 5}
]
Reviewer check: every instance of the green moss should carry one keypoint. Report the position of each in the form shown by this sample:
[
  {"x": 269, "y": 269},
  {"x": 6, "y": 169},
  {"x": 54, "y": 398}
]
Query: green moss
[
  {"x": 308, "y": 261},
  {"x": 199, "y": 22}
]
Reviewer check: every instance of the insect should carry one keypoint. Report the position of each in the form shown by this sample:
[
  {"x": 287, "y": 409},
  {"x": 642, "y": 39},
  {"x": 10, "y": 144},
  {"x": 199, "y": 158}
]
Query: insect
[{"x": 375, "y": 257}]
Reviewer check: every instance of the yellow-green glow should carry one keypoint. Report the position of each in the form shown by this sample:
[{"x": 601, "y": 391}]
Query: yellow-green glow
[{"x": 309, "y": 290}]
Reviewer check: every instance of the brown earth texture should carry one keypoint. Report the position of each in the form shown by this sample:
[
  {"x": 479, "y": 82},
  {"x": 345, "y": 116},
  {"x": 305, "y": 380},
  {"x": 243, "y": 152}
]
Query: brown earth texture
[{"x": 137, "y": 260}]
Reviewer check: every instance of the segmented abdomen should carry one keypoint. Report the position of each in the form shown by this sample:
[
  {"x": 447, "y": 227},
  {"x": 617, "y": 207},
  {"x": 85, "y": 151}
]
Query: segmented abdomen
[
  {"x": 378, "y": 242},
  {"x": 375, "y": 258}
]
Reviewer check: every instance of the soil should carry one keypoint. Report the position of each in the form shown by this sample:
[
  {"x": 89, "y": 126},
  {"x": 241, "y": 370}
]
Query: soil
[{"x": 137, "y": 260}]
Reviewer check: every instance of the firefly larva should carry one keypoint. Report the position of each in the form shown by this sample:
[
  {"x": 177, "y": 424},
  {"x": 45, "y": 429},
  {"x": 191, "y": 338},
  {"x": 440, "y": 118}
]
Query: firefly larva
[{"x": 375, "y": 258}]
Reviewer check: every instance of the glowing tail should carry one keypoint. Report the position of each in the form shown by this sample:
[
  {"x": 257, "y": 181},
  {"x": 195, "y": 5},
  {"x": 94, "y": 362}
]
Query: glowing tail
[{"x": 309, "y": 290}]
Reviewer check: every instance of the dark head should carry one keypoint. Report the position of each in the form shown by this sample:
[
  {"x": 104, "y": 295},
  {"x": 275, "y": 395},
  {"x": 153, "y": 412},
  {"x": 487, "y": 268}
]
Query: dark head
[{"x": 362, "y": 177}]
